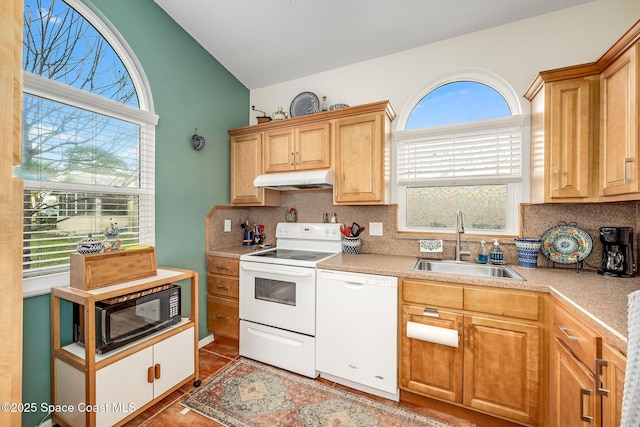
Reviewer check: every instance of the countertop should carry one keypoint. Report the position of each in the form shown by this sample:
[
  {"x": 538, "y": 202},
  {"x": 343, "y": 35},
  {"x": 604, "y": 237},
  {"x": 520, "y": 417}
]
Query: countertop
[{"x": 598, "y": 300}]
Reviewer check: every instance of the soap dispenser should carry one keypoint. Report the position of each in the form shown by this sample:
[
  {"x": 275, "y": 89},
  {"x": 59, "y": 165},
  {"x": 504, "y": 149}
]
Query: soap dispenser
[
  {"x": 497, "y": 256},
  {"x": 483, "y": 256}
]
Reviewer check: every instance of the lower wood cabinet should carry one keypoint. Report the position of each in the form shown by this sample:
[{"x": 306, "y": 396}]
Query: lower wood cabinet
[
  {"x": 496, "y": 368},
  {"x": 223, "y": 279}
]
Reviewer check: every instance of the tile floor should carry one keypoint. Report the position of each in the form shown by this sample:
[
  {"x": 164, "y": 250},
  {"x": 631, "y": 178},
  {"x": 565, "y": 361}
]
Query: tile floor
[{"x": 215, "y": 356}]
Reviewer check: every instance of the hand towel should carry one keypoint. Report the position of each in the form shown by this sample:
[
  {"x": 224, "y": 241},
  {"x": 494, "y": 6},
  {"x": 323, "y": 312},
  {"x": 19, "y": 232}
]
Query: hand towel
[{"x": 631, "y": 396}]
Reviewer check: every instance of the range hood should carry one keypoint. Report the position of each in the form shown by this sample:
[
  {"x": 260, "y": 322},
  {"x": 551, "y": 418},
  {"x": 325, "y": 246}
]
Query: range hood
[{"x": 290, "y": 181}]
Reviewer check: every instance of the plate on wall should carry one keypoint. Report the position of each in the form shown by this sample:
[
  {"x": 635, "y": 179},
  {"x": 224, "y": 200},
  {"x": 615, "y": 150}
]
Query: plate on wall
[
  {"x": 566, "y": 244},
  {"x": 302, "y": 103}
]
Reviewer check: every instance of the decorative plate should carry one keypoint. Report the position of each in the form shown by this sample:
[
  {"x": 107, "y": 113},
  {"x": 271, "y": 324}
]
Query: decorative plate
[
  {"x": 304, "y": 102},
  {"x": 566, "y": 244}
]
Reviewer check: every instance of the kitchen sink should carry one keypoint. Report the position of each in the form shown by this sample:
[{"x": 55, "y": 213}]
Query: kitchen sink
[{"x": 463, "y": 268}]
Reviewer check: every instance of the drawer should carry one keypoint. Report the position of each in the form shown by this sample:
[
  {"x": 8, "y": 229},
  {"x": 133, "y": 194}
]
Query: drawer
[
  {"x": 431, "y": 293},
  {"x": 585, "y": 343},
  {"x": 503, "y": 303},
  {"x": 222, "y": 317},
  {"x": 222, "y": 265},
  {"x": 222, "y": 286}
]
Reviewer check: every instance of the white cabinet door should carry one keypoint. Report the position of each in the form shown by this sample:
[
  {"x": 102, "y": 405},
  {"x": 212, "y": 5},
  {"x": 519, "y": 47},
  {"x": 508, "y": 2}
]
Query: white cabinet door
[
  {"x": 174, "y": 356},
  {"x": 122, "y": 387},
  {"x": 356, "y": 333}
]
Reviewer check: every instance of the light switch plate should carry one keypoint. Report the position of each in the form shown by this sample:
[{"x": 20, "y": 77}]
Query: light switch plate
[
  {"x": 375, "y": 229},
  {"x": 227, "y": 225},
  {"x": 430, "y": 245}
]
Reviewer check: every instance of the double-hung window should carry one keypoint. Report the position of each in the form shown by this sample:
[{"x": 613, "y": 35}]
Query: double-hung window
[
  {"x": 460, "y": 148},
  {"x": 88, "y": 139}
]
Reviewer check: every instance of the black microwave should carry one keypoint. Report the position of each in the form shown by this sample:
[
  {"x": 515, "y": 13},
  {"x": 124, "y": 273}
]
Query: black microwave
[{"x": 127, "y": 318}]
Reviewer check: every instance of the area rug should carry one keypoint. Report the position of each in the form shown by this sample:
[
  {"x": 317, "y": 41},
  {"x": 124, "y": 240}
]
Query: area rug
[{"x": 250, "y": 394}]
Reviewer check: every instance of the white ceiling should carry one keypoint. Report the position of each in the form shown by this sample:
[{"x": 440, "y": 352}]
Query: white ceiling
[{"x": 264, "y": 42}]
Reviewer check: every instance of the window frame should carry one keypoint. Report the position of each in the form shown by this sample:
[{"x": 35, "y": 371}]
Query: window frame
[
  {"x": 142, "y": 116},
  {"x": 515, "y": 190}
]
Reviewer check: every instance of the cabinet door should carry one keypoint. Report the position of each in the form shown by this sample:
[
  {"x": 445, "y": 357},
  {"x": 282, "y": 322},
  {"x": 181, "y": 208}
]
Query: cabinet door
[
  {"x": 313, "y": 146},
  {"x": 124, "y": 382},
  {"x": 279, "y": 150},
  {"x": 612, "y": 385},
  {"x": 570, "y": 149},
  {"x": 501, "y": 368},
  {"x": 572, "y": 399},
  {"x": 246, "y": 165},
  {"x": 361, "y": 145},
  {"x": 173, "y": 361},
  {"x": 619, "y": 126},
  {"x": 222, "y": 316},
  {"x": 427, "y": 368}
]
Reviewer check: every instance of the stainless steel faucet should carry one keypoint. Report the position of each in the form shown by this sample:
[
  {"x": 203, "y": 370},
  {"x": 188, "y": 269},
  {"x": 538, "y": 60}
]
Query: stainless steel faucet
[{"x": 460, "y": 230}]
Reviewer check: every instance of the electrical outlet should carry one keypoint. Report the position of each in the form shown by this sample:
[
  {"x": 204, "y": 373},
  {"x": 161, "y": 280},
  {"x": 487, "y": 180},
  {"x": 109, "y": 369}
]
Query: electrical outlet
[
  {"x": 227, "y": 225},
  {"x": 375, "y": 229}
]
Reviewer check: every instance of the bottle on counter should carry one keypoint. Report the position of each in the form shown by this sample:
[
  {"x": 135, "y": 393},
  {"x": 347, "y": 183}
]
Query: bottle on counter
[
  {"x": 483, "y": 256},
  {"x": 497, "y": 256}
]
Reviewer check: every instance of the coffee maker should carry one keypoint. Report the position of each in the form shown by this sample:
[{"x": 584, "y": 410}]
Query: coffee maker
[{"x": 617, "y": 252}]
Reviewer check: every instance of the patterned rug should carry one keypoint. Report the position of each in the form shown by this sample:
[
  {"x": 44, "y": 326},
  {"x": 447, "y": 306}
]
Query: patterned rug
[{"x": 249, "y": 394}]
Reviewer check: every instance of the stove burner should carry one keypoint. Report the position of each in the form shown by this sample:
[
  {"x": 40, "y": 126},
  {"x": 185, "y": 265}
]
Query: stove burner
[{"x": 304, "y": 257}]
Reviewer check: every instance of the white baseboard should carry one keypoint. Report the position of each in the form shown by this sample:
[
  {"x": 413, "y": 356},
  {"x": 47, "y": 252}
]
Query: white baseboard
[{"x": 206, "y": 340}]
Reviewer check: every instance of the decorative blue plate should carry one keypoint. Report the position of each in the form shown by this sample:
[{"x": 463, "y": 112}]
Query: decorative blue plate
[
  {"x": 566, "y": 244},
  {"x": 303, "y": 103}
]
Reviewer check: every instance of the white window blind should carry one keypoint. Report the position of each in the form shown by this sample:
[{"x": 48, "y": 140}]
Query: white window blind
[{"x": 488, "y": 151}]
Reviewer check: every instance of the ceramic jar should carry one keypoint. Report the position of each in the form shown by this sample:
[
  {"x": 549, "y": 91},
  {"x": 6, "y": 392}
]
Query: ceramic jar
[
  {"x": 351, "y": 245},
  {"x": 89, "y": 245},
  {"x": 528, "y": 252}
]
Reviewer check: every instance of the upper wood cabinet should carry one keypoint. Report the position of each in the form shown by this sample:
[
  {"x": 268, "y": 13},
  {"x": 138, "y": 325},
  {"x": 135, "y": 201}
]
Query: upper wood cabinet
[
  {"x": 354, "y": 142},
  {"x": 620, "y": 84},
  {"x": 362, "y": 158},
  {"x": 299, "y": 148},
  {"x": 584, "y": 128},
  {"x": 246, "y": 165}
]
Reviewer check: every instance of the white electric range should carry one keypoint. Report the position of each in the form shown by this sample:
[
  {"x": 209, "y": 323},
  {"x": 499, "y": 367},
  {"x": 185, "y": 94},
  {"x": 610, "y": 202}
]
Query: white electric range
[{"x": 278, "y": 296}]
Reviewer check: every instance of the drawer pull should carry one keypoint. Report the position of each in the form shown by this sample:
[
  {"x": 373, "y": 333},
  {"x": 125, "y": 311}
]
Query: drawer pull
[
  {"x": 583, "y": 417},
  {"x": 220, "y": 316},
  {"x": 353, "y": 366},
  {"x": 226, "y": 288},
  {"x": 566, "y": 334},
  {"x": 222, "y": 267},
  {"x": 150, "y": 374},
  {"x": 600, "y": 363},
  {"x": 156, "y": 371}
]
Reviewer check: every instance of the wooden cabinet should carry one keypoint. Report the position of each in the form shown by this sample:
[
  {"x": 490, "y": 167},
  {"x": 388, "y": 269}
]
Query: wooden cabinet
[
  {"x": 496, "y": 367},
  {"x": 354, "y": 142},
  {"x": 619, "y": 138},
  {"x": 585, "y": 128},
  {"x": 611, "y": 368},
  {"x": 246, "y": 165},
  {"x": 223, "y": 279},
  {"x": 362, "y": 158},
  {"x": 118, "y": 385},
  {"x": 586, "y": 375},
  {"x": 299, "y": 148},
  {"x": 564, "y": 139}
]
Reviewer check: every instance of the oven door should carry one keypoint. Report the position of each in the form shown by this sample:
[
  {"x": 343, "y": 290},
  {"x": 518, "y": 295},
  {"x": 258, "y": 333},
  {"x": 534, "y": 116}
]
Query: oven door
[{"x": 281, "y": 296}]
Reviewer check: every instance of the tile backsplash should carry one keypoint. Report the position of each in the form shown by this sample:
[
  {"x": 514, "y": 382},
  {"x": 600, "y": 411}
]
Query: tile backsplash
[{"x": 311, "y": 205}]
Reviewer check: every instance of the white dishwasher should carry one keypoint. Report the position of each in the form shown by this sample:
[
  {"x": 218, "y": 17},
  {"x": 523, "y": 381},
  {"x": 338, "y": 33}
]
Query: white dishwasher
[{"x": 356, "y": 331}]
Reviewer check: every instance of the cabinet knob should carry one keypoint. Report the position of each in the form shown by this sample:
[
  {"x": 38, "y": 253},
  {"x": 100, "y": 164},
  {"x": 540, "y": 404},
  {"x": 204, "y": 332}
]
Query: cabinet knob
[
  {"x": 150, "y": 374},
  {"x": 156, "y": 371},
  {"x": 220, "y": 316}
]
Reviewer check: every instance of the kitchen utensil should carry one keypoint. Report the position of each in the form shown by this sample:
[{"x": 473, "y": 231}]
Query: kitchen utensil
[
  {"x": 566, "y": 243},
  {"x": 355, "y": 229}
]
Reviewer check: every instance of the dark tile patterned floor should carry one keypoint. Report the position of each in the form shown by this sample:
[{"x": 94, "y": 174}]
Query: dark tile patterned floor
[{"x": 215, "y": 356}]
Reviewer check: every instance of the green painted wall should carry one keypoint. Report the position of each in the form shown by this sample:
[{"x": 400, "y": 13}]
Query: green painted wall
[{"x": 190, "y": 90}]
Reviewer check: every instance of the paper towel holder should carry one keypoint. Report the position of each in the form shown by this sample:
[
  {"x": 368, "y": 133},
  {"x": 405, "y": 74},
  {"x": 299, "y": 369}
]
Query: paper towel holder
[{"x": 427, "y": 312}]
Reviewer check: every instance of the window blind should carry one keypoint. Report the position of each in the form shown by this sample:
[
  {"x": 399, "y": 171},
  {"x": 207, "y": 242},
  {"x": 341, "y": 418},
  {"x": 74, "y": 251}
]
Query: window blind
[{"x": 491, "y": 151}]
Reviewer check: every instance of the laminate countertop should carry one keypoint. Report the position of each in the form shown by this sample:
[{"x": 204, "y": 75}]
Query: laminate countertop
[{"x": 600, "y": 301}]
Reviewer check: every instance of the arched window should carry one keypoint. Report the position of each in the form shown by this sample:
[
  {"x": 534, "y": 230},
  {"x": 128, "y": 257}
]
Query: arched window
[
  {"x": 460, "y": 148},
  {"x": 88, "y": 139}
]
